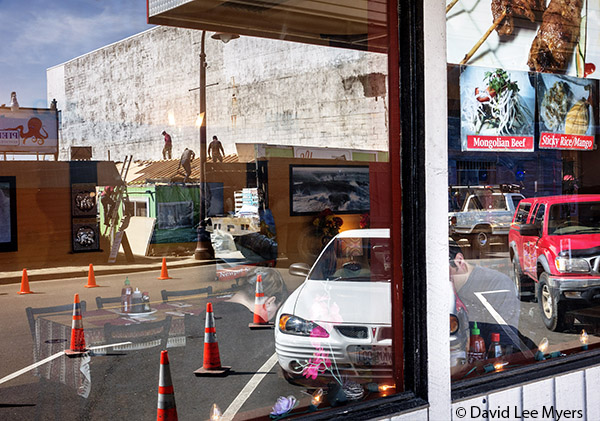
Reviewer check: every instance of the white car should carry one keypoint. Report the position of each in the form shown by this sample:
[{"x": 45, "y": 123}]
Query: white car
[{"x": 337, "y": 324}]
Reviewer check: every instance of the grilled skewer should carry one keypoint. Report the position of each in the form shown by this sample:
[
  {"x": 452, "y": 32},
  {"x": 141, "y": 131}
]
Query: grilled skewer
[
  {"x": 514, "y": 8},
  {"x": 553, "y": 46}
]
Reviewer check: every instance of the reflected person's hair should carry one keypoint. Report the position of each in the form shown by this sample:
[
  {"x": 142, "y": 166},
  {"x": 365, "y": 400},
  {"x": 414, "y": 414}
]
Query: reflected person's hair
[
  {"x": 272, "y": 283},
  {"x": 454, "y": 249}
]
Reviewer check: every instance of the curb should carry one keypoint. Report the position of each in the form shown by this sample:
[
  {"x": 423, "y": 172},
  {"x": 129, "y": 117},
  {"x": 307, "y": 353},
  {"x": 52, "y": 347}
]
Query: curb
[{"x": 83, "y": 272}]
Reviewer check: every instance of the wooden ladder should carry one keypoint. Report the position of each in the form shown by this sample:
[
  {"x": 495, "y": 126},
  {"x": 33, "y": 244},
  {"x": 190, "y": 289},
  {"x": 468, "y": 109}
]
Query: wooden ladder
[{"x": 118, "y": 235}]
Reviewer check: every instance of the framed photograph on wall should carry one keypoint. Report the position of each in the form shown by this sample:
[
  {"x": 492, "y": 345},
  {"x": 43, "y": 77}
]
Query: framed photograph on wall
[
  {"x": 8, "y": 214},
  {"x": 343, "y": 189},
  {"x": 83, "y": 199},
  {"x": 86, "y": 234}
]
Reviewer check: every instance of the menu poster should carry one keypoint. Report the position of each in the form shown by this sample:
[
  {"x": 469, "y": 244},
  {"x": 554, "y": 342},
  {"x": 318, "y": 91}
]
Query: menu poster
[
  {"x": 568, "y": 111},
  {"x": 478, "y": 33},
  {"x": 497, "y": 109}
]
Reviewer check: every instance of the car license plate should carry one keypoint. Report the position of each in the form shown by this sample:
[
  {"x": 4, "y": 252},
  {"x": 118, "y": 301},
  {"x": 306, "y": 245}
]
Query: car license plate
[{"x": 370, "y": 355}]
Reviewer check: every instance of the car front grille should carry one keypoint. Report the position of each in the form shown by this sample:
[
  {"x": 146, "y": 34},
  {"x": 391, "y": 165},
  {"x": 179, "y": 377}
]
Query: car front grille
[{"x": 355, "y": 332}]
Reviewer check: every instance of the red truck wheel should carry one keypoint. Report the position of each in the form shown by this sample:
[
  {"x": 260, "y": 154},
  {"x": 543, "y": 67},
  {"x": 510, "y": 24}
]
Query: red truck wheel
[{"x": 551, "y": 310}]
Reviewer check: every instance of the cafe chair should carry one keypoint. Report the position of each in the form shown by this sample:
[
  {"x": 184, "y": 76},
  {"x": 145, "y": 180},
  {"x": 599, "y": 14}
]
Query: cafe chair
[
  {"x": 166, "y": 294},
  {"x": 33, "y": 312},
  {"x": 100, "y": 301},
  {"x": 141, "y": 335}
]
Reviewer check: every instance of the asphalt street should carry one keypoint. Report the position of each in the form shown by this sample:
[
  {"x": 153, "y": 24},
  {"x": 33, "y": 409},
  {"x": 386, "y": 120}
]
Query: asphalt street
[
  {"x": 124, "y": 384},
  {"x": 531, "y": 325}
]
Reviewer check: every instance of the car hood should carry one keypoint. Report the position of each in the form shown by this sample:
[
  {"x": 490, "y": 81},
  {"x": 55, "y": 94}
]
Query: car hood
[
  {"x": 344, "y": 302},
  {"x": 577, "y": 242}
]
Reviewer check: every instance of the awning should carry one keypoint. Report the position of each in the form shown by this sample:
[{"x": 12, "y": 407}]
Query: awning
[{"x": 356, "y": 24}]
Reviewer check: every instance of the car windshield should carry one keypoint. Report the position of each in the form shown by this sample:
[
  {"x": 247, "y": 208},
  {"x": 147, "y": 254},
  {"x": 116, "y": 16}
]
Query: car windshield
[
  {"x": 574, "y": 218},
  {"x": 354, "y": 259},
  {"x": 487, "y": 201}
]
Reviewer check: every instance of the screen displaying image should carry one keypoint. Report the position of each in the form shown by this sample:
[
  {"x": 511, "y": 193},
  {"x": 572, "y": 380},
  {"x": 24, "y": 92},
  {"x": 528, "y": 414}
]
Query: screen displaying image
[{"x": 340, "y": 189}]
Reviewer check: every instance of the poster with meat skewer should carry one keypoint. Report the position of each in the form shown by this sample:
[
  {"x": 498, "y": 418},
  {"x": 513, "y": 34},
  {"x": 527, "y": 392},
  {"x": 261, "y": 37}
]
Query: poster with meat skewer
[
  {"x": 497, "y": 109},
  {"x": 567, "y": 112},
  {"x": 547, "y": 36}
]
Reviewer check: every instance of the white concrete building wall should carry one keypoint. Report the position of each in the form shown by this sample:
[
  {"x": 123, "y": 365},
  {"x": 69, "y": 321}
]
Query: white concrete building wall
[
  {"x": 120, "y": 97},
  {"x": 436, "y": 217}
]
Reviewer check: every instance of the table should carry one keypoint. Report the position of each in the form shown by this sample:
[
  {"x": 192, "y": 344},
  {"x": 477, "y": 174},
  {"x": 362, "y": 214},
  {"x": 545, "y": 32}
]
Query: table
[{"x": 53, "y": 335}]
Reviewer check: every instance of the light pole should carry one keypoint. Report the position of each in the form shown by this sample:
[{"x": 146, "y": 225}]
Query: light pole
[{"x": 204, "y": 249}]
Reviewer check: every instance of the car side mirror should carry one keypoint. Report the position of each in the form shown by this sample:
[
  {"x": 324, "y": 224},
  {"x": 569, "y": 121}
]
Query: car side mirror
[
  {"x": 299, "y": 269},
  {"x": 531, "y": 230}
]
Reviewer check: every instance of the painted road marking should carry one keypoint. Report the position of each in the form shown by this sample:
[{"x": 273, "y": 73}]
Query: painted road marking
[
  {"x": 511, "y": 334},
  {"x": 50, "y": 358},
  {"x": 249, "y": 388}
]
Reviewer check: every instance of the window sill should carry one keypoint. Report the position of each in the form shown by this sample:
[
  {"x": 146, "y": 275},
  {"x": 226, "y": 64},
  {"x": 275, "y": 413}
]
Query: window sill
[
  {"x": 520, "y": 375},
  {"x": 377, "y": 408}
]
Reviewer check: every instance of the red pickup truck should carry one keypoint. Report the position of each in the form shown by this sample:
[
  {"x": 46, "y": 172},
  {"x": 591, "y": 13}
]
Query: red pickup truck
[{"x": 554, "y": 245}]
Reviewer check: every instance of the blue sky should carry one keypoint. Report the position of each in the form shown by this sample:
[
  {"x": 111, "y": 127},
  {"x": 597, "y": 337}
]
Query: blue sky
[{"x": 38, "y": 34}]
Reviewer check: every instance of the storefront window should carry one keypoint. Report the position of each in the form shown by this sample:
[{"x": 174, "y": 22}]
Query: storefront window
[
  {"x": 522, "y": 182},
  {"x": 221, "y": 189}
]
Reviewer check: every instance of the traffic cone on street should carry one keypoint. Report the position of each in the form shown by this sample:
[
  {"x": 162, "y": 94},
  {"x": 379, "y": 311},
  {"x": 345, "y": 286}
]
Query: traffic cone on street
[
  {"x": 25, "y": 283},
  {"x": 163, "y": 272},
  {"x": 91, "y": 278},
  {"x": 77, "y": 336},
  {"x": 260, "y": 320},
  {"x": 166, "y": 395},
  {"x": 211, "y": 360}
]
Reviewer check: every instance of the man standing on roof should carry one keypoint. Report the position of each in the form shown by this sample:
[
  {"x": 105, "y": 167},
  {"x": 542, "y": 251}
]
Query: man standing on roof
[
  {"x": 215, "y": 150},
  {"x": 186, "y": 162},
  {"x": 168, "y": 145}
]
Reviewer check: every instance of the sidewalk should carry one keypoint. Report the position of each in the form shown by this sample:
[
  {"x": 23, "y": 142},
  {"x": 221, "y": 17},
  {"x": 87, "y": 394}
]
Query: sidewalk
[{"x": 77, "y": 268}]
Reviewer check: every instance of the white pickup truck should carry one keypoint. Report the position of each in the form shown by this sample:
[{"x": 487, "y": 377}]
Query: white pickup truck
[{"x": 485, "y": 216}]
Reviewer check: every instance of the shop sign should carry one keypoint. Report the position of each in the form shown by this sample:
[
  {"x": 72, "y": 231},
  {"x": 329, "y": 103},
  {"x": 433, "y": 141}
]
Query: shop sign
[
  {"x": 497, "y": 110},
  {"x": 567, "y": 112},
  {"x": 566, "y": 141},
  {"x": 322, "y": 153},
  {"x": 28, "y": 130},
  {"x": 500, "y": 143}
]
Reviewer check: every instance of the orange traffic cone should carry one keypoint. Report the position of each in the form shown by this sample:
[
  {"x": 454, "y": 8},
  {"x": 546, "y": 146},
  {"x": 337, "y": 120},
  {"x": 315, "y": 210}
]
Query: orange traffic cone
[
  {"x": 166, "y": 395},
  {"x": 91, "y": 278},
  {"x": 25, "y": 283},
  {"x": 163, "y": 272},
  {"x": 77, "y": 337},
  {"x": 260, "y": 320},
  {"x": 211, "y": 361}
]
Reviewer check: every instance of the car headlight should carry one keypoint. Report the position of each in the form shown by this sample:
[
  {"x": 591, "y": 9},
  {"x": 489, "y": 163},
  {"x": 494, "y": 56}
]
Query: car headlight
[
  {"x": 297, "y": 326},
  {"x": 454, "y": 324},
  {"x": 564, "y": 264}
]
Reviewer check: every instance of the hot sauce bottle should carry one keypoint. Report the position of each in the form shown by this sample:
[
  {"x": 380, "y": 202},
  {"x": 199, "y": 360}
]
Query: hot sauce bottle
[{"x": 476, "y": 346}]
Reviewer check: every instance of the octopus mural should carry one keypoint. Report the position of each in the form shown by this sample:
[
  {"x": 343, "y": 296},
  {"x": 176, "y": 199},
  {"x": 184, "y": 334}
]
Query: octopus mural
[{"x": 35, "y": 127}]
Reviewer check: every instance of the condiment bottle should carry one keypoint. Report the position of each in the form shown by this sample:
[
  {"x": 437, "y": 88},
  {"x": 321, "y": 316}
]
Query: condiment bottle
[
  {"x": 146, "y": 301},
  {"x": 495, "y": 349},
  {"x": 476, "y": 350},
  {"x": 136, "y": 301},
  {"x": 126, "y": 297}
]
